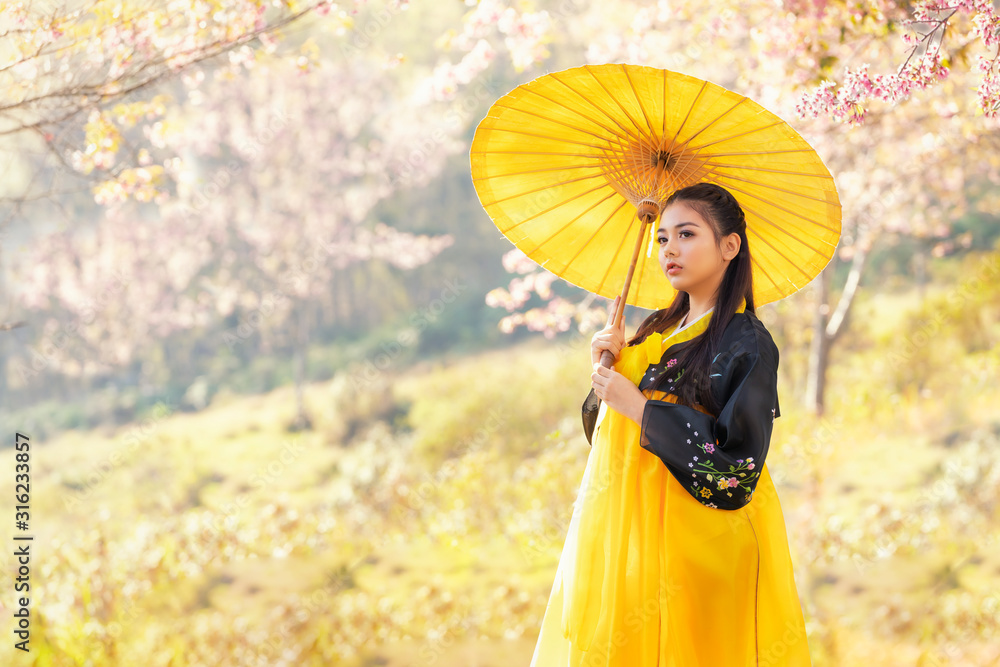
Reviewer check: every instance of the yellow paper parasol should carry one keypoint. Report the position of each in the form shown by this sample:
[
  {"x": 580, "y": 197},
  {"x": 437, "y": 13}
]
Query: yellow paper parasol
[{"x": 574, "y": 164}]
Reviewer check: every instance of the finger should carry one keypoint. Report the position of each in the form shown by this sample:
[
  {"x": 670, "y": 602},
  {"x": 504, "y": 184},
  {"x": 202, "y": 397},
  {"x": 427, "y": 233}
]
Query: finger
[
  {"x": 611, "y": 310},
  {"x": 609, "y": 339}
]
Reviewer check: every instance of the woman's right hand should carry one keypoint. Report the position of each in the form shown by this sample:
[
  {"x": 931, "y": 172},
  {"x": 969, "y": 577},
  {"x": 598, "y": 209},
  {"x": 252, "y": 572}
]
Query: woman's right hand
[{"x": 609, "y": 338}]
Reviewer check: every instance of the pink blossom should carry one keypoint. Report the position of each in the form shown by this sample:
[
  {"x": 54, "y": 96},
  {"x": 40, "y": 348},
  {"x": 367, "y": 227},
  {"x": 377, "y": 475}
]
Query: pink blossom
[{"x": 515, "y": 261}]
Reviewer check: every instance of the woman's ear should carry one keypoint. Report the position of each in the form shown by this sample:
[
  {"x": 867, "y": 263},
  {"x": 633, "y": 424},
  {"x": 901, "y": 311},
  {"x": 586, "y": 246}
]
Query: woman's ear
[{"x": 731, "y": 246}]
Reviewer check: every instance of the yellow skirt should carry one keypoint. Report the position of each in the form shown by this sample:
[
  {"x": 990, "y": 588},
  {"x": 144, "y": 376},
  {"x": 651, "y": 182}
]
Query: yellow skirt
[{"x": 650, "y": 577}]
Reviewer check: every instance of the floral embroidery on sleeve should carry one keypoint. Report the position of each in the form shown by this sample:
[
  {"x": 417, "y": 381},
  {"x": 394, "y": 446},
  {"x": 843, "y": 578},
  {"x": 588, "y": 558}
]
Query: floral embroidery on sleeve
[
  {"x": 738, "y": 477},
  {"x": 656, "y": 370}
]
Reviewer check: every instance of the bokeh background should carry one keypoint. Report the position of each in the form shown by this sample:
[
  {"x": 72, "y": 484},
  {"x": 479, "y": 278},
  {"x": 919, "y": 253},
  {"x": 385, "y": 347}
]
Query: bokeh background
[{"x": 292, "y": 399}]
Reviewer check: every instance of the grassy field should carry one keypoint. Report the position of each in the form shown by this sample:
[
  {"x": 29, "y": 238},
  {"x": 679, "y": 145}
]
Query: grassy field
[{"x": 421, "y": 520}]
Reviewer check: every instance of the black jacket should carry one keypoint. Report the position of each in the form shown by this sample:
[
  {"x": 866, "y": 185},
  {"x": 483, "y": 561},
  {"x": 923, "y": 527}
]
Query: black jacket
[{"x": 717, "y": 459}]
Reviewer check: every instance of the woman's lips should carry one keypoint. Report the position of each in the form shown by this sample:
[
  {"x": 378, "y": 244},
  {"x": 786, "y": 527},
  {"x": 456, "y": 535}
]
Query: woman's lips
[{"x": 673, "y": 269}]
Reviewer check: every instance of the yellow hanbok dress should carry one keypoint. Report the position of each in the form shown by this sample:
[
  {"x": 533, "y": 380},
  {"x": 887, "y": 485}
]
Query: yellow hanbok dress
[{"x": 676, "y": 553}]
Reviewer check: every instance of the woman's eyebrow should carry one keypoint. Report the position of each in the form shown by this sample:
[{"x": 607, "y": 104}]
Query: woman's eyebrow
[{"x": 683, "y": 224}]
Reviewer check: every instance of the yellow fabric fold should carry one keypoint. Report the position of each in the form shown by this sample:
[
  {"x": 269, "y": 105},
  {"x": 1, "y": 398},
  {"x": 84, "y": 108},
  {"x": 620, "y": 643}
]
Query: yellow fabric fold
[{"x": 594, "y": 576}]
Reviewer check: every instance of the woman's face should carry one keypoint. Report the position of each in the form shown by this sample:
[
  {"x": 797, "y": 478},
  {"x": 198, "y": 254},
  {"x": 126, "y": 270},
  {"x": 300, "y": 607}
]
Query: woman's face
[{"x": 686, "y": 239}]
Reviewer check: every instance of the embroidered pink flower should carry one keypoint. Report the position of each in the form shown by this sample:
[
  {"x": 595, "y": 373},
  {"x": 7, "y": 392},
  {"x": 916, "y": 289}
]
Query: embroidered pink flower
[
  {"x": 709, "y": 448},
  {"x": 733, "y": 482},
  {"x": 750, "y": 466},
  {"x": 672, "y": 362}
]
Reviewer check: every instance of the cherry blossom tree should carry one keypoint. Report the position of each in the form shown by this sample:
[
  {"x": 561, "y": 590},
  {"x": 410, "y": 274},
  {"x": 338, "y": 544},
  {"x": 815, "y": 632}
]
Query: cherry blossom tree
[
  {"x": 72, "y": 60},
  {"x": 269, "y": 205},
  {"x": 297, "y": 207},
  {"x": 932, "y": 52},
  {"x": 75, "y": 75}
]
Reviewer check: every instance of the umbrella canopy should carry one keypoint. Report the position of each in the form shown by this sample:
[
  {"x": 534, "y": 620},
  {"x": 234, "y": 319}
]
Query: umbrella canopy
[{"x": 564, "y": 165}]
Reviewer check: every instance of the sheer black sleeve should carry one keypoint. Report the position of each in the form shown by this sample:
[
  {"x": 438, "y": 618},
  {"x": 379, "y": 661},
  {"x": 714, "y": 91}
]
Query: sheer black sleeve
[
  {"x": 718, "y": 461},
  {"x": 591, "y": 406}
]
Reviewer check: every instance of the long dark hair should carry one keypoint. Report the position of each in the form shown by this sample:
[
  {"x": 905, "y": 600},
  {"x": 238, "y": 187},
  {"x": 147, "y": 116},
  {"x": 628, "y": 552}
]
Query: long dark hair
[{"x": 719, "y": 207}]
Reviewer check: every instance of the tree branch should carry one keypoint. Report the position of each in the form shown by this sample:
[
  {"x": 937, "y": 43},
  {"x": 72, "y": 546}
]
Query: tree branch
[{"x": 835, "y": 324}]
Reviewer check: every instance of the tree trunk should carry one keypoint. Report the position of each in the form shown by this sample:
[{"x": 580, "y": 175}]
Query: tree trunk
[
  {"x": 819, "y": 348},
  {"x": 828, "y": 326}
]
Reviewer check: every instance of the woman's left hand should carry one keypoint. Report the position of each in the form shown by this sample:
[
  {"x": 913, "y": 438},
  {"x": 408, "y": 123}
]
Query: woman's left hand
[{"x": 620, "y": 395}]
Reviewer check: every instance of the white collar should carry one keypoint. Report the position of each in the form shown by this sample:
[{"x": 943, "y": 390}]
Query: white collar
[{"x": 686, "y": 325}]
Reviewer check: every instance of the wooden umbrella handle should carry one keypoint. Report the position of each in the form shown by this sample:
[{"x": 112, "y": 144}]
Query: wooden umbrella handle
[{"x": 647, "y": 216}]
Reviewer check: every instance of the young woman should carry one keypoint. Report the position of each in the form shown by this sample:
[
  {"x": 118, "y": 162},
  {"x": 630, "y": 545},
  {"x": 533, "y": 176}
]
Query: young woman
[{"x": 676, "y": 553}]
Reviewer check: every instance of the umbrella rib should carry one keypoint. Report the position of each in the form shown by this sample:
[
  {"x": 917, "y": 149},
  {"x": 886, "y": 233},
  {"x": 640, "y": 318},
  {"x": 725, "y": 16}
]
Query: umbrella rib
[
  {"x": 534, "y": 170},
  {"x": 680, "y": 127},
  {"x": 763, "y": 270},
  {"x": 781, "y": 254},
  {"x": 742, "y": 134},
  {"x": 663, "y": 111},
  {"x": 713, "y": 121},
  {"x": 767, "y": 152},
  {"x": 565, "y": 201},
  {"x": 647, "y": 176},
  {"x": 635, "y": 93},
  {"x": 686, "y": 170},
  {"x": 783, "y": 230},
  {"x": 625, "y": 174},
  {"x": 577, "y": 112},
  {"x": 773, "y": 187},
  {"x": 552, "y": 120},
  {"x": 650, "y": 176},
  {"x": 619, "y": 170},
  {"x": 614, "y": 120},
  {"x": 549, "y": 185},
  {"x": 547, "y": 136},
  {"x": 563, "y": 228},
  {"x": 614, "y": 99},
  {"x": 782, "y": 208},
  {"x": 499, "y": 152},
  {"x": 618, "y": 250},
  {"x": 774, "y": 171}
]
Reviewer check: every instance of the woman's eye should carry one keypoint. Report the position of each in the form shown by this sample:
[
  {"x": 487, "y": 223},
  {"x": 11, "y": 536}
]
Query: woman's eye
[{"x": 662, "y": 239}]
